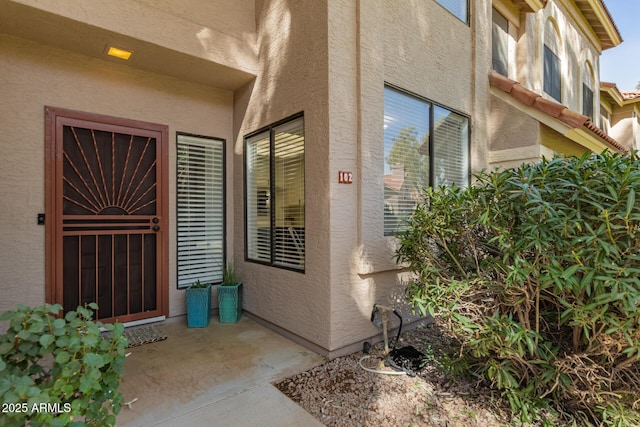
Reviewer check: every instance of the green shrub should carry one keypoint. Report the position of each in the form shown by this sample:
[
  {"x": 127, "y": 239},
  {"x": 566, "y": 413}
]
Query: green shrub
[
  {"x": 536, "y": 270},
  {"x": 59, "y": 371}
]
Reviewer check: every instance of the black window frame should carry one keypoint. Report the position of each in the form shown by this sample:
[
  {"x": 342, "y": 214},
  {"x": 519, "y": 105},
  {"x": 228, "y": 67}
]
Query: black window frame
[
  {"x": 223, "y": 143},
  {"x": 272, "y": 196},
  {"x": 431, "y": 149}
]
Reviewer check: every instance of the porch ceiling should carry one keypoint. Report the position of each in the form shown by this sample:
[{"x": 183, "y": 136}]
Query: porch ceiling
[{"x": 57, "y": 31}]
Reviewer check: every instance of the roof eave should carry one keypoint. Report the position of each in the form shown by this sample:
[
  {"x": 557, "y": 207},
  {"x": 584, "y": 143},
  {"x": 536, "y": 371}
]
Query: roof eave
[{"x": 572, "y": 125}]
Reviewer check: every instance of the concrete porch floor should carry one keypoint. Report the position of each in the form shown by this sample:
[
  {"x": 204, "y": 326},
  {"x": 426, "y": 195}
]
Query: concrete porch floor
[{"x": 221, "y": 375}]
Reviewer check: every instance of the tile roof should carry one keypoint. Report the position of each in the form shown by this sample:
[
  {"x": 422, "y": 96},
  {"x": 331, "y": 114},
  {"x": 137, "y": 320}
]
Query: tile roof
[
  {"x": 633, "y": 94},
  {"x": 550, "y": 108}
]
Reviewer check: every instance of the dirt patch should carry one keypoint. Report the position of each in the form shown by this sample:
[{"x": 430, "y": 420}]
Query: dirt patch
[{"x": 342, "y": 393}]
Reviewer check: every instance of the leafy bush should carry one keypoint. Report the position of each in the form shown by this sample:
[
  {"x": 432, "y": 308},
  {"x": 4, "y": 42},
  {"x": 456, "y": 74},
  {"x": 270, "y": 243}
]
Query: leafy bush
[
  {"x": 59, "y": 371},
  {"x": 536, "y": 270}
]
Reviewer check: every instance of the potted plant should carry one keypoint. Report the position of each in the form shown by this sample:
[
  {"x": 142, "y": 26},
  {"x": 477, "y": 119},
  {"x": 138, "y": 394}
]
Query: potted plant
[
  {"x": 229, "y": 296},
  {"x": 198, "y": 304}
]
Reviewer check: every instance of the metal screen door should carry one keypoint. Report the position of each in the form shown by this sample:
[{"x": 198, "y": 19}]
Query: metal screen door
[{"x": 107, "y": 215}]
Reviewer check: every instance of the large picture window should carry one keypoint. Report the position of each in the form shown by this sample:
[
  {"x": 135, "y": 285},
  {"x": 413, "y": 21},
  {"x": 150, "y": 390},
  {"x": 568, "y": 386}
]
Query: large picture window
[
  {"x": 200, "y": 209},
  {"x": 275, "y": 195},
  {"x": 425, "y": 145}
]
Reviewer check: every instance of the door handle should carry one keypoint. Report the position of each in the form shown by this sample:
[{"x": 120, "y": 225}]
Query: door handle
[{"x": 155, "y": 227}]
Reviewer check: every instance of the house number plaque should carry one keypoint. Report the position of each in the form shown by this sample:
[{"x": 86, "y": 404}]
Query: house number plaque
[{"x": 345, "y": 177}]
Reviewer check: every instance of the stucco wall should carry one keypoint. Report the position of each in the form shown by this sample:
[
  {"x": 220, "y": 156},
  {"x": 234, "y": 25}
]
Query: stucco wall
[
  {"x": 574, "y": 49},
  {"x": 221, "y": 31},
  {"x": 34, "y": 76},
  {"x": 510, "y": 128},
  {"x": 418, "y": 46},
  {"x": 292, "y": 77}
]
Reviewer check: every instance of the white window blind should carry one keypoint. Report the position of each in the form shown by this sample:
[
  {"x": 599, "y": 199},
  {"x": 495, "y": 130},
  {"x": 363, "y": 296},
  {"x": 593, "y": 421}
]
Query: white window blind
[
  {"x": 457, "y": 7},
  {"x": 259, "y": 197},
  {"x": 200, "y": 209},
  {"x": 406, "y": 153},
  {"x": 450, "y": 148},
  {"x": 275, "y": 195},
  {"x": 415, "y": 157},
  {"x": 289, "y": 184}
]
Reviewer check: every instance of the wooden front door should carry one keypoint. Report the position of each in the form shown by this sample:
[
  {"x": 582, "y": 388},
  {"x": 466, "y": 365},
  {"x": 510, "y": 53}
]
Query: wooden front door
[{"x": 106, "y": 215}]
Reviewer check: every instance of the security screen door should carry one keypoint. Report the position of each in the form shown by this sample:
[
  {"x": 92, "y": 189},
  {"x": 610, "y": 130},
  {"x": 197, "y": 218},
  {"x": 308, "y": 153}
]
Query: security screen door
[{"x": 106, "y": 215}]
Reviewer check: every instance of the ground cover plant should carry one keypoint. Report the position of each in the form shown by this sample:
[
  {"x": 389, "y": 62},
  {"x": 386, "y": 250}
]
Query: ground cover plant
[
  {"x": 535, "y": 270},
  {"x": 59, "y": 371}
]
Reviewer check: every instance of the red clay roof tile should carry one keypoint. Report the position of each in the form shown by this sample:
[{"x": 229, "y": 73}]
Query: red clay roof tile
[{"x": 551, "y": 108}]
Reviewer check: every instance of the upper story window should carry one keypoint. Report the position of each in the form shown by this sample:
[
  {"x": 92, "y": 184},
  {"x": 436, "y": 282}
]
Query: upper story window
[
  {"x": 605, "y": 122},
  {"x": 500, "y": 43},
  {"x": 552, "y": 79},
  {"x": 587, "y": 90},
  {"x": 424, "y": 145},
  {"x": 460, "y": 8},
  {"x": 275, "y": 195}
]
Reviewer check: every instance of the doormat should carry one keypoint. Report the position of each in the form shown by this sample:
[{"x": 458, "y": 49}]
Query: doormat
[{"x": 142, "y": 335}]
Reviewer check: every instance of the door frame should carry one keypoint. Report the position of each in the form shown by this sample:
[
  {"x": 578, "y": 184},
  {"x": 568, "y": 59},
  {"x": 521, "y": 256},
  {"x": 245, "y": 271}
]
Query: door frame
[{"x": 53, "y": 230}]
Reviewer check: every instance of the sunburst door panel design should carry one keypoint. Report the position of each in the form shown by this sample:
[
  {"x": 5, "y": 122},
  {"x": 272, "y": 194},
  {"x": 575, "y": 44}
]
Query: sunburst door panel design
[{"x": 108, "y": 196}]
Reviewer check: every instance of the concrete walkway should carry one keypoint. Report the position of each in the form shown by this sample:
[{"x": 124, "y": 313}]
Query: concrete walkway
[{"x": 221, "y": 375}]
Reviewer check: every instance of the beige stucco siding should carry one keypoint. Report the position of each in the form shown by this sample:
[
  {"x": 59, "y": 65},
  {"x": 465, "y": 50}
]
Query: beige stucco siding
[
  {"x": 423, "y": 49},
  {"x": 574, "y": 49},
  {"x": 34, "y": 76},
  {"x": 292, "y": 78}
]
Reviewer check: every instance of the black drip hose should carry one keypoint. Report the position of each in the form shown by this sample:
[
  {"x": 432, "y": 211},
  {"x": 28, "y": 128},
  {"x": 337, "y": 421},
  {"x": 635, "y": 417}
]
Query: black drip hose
[{"x": 399, "y": 329}]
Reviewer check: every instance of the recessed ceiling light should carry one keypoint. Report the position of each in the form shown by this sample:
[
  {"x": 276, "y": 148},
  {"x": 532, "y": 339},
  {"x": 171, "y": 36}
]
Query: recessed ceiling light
[{"x": 119, "y": 53}]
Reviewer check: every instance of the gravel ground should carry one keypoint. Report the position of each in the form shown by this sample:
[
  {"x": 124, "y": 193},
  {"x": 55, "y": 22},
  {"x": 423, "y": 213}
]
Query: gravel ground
[{"x": 341, "y": 393}]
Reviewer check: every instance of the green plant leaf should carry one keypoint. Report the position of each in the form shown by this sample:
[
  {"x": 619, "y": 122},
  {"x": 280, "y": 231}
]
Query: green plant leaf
[{"x": 46, "y": 340}]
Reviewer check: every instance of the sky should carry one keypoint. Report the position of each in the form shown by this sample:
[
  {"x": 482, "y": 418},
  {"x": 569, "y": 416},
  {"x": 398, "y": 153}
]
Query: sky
[{"x": 621, "y": 64}]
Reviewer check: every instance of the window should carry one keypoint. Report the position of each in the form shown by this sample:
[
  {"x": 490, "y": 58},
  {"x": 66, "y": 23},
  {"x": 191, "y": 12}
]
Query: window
[
  {"x": 275, "y": 196},
  {"x": 552, "y": 78},
  {"x": 587, "y": 101},
  {"x": 200, "y": 209},
  {"x": 424, "y": 145},
  {"x": 500, "y": 43},
  {"x": 458, "y": 7},
  {"x": 587, "y": 90},
  {"x": 552, "y": 83},
  {"x": 604, "y": 120}
]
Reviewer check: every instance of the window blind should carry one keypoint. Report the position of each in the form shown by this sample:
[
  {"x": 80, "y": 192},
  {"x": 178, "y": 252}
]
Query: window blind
[
  {"x": 451, "y": 149},
  {"x": 200, "y": 209},
  {"x": 275, "y": 195},
  {"x": 259, "y": 197},
  {"x": 417, "y": 157},
  {"x": 289, "y": 184},
  {"x": 406, "y": 152}
]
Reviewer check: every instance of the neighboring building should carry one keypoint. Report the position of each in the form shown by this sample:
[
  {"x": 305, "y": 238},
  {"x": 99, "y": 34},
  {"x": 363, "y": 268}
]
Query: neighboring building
[
  {"x": 289, "y": 136},
  {"x": 620, "y": 114},
  {"x": 546, "y": 72}
]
